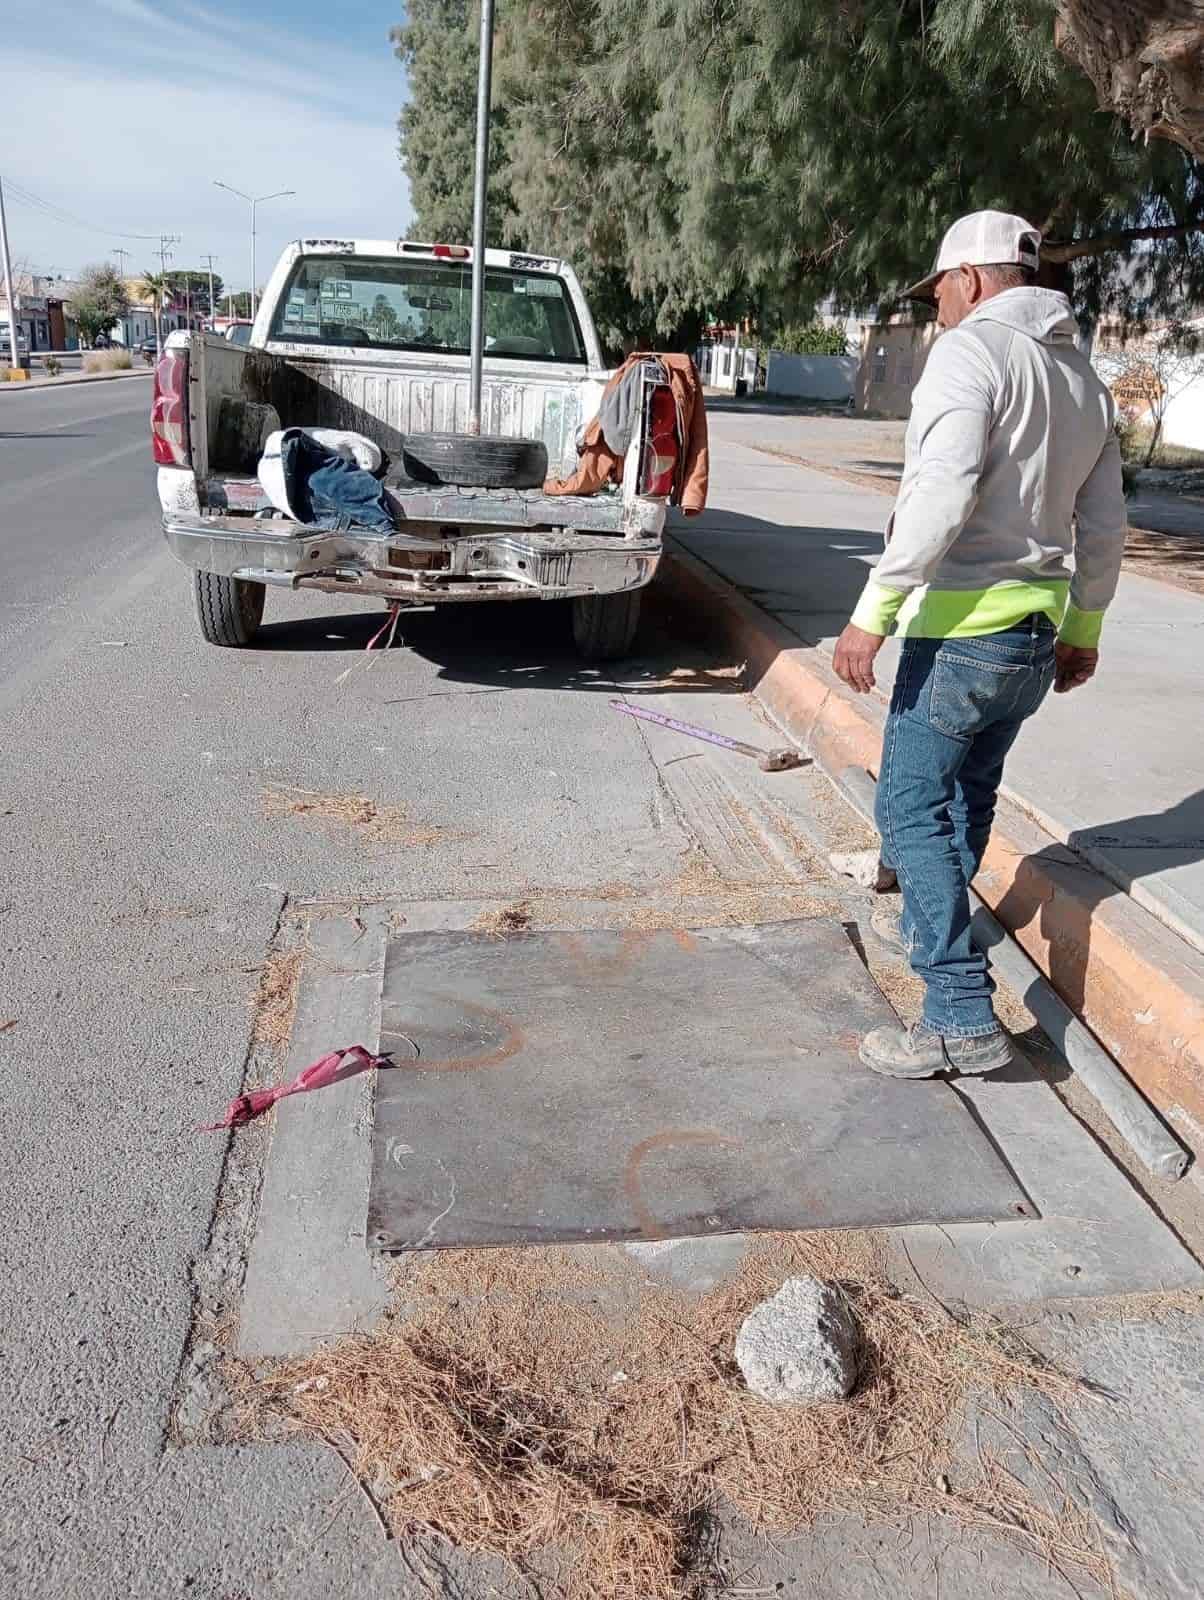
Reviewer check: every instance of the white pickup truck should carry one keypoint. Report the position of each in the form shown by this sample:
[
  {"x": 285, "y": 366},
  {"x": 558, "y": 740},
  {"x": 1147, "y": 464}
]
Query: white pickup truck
[{"x": 372, "y": 336}]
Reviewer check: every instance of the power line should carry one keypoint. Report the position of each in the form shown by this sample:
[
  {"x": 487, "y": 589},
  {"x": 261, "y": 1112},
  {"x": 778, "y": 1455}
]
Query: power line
[{"x": 61, "y": 215}]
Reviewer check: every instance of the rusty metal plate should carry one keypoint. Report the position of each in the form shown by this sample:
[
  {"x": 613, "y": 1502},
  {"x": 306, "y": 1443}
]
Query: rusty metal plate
[{"x": 556, "y": 1087}]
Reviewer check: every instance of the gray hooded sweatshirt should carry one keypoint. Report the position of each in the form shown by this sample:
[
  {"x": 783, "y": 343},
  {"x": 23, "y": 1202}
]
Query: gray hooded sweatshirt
[{"x": 1011, "y": 475}]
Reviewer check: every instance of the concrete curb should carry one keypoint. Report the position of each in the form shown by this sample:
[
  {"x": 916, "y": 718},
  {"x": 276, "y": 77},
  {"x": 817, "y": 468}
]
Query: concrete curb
[
  {"x": 1134, "y": 982},
  {"x": 71, "y": 382}
]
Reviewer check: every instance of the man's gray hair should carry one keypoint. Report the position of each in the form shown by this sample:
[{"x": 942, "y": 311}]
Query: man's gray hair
[{"x": 1009, "y": 275}]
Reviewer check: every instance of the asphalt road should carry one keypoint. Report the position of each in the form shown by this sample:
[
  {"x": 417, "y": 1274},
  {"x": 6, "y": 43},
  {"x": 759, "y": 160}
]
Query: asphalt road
[
  {"x": 142, "y": 881},
  {"x": 142, "y": 884}
]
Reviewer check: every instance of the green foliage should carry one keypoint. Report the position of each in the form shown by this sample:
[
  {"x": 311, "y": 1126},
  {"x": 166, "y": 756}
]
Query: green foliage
[
  {"x": 100, "y": 301},
  {"x": 52, "y": 365},
  {"x": 179, "y": 280},
  {"x": 810, "y": 339},
  {"x": 694, "y": 156},
  {"x": 437, "y": 45},
  {"x": 384, "y": 323}
]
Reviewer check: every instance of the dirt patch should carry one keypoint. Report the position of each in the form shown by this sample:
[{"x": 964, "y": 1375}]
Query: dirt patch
[
  {"x": 514, "y": 1413},
  {"x": 275, "y": 998},
  {"x": 1176, "y": 558},
  {"x": 357, "y": 813},
  {"x": 880, "y": 483},
  {"x": 702, "y": 897},
  {"x": 502, "y": 920}
]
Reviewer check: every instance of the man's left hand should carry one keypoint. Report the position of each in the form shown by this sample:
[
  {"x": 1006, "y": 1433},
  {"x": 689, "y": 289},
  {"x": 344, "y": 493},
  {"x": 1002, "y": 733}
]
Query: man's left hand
[{"x": 854, "y": 657}]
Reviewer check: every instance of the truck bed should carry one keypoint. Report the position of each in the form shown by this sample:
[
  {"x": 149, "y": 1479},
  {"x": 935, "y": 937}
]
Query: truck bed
[{"x": 502, "y": 508}]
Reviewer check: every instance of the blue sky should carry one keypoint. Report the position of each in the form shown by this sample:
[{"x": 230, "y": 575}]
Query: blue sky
[{"x": 123, "y": 112}]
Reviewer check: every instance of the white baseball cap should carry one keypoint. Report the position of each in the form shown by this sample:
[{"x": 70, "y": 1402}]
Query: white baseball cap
[{"x": 983, "y": 239}]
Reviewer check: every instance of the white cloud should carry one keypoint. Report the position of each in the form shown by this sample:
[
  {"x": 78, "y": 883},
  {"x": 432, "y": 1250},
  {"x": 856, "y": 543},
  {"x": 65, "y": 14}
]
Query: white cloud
[{"x": 133, "y": 137}]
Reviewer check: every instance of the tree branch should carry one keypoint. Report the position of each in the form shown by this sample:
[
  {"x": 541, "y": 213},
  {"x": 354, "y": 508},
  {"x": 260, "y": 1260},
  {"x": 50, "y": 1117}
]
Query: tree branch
[{"x": 1120, "y": 240}]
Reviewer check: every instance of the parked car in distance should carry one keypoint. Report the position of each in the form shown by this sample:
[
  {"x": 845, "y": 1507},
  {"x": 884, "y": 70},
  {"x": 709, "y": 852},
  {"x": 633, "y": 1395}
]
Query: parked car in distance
[{"x": 5, "y": 347}]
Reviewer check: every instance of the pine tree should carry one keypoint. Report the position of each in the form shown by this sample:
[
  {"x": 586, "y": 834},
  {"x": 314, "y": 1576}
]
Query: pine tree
[
  {"x": 704, "y": 156},
  {"x": 438, "y": 46}
]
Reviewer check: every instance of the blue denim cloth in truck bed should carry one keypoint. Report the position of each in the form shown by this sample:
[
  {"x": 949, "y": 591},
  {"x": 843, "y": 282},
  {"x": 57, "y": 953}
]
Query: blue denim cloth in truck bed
[{"x": 328, "y": 491}]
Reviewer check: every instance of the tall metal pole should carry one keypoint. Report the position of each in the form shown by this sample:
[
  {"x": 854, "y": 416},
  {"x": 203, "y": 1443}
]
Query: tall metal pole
[
  {"x": 8, "y": 283},
  {"x": 479, "y": 200},
  {"x": 255, "y": 200},
  {"x": 254, "y": 203},
  {"x": 212, "y": 307}
]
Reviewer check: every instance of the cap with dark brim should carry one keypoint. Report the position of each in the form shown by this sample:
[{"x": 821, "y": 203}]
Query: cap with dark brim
[{"x": 925, "y": 290}]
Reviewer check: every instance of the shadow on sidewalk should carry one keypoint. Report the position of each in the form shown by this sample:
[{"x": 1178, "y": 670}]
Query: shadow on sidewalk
[
  {"x": 1179, "y": 829},
  {"x": 811, "y": 577}
]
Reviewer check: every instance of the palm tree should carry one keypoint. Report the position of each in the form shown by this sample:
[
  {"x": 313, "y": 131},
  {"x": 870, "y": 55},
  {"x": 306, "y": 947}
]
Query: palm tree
[{"x": 158, "y": 287}]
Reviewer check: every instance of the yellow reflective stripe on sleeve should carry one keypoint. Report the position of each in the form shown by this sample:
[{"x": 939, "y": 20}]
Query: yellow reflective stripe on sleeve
[
  {"x": 877, "y": 608},
  {"x": 1081, "y": 628}
]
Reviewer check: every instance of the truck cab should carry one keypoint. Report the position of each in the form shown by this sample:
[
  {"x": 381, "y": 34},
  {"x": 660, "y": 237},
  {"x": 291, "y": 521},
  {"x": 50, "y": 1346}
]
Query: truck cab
[{"x": 372, "y": 336}]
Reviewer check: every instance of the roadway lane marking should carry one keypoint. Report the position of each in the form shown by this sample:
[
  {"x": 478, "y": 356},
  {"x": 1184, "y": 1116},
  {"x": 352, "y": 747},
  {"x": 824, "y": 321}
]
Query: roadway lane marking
[
  {"x": 78, "y": 422},
  {"x": 21, "y": 491}
]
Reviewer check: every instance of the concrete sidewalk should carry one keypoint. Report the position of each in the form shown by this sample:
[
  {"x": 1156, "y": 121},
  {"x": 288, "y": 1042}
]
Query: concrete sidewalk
[
  {"x": 1113, "y": 771},
  {"x": 66, "y": 379}
]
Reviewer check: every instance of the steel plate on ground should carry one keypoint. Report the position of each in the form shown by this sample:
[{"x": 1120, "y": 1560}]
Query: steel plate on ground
[{"x": 555, "y": 1087}]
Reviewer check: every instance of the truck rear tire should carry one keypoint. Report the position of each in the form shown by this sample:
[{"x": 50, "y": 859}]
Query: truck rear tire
[
  {"x": 484, "y": 461},
  {"x": 229, "y": 610},
  {"x": 604, "y": 625}
]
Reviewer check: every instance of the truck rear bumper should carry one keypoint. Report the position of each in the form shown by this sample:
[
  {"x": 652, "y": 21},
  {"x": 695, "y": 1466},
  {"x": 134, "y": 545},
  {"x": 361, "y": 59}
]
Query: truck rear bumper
[{"x": 541, "y": 564}]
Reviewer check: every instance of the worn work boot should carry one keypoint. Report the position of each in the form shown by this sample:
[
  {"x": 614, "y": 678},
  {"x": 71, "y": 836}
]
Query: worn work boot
[{"x": 919, "y": 1052}]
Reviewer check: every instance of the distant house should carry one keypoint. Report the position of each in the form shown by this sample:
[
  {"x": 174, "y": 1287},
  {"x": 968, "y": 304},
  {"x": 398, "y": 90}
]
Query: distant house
[
  {"x": 1138, "y": 389},
  {"x": 894, "y": 349},
  {"x": 727, "y": 358},
  {"x": 139, "y": 322},
  {"x": 32, "y": 293}
]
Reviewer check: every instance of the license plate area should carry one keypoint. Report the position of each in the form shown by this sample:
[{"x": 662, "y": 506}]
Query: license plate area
[{"x": 419, "y": 560}]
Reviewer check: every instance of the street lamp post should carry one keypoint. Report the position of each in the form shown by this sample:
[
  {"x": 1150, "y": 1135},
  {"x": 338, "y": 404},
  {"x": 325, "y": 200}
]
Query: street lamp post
[{"x": 253, "y": 201}]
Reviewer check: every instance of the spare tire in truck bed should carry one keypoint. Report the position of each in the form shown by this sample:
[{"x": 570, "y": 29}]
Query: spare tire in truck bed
[{"x": 484, "y": 461}]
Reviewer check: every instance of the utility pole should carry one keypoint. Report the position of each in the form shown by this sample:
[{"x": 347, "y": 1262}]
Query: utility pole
[
  {"x": 253, "y": 201},
  {"x": 8, "y": 284},
  {"x": 480, "y": 195},
  {"x": 209, "y": 260},
  {"x": 165, "y": 239},
  {"x": 121, "y": 255}
]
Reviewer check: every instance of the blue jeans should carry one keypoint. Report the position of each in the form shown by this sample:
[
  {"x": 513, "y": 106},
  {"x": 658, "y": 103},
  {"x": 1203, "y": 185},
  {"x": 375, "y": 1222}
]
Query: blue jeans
[{"x": 957, "y": 707}]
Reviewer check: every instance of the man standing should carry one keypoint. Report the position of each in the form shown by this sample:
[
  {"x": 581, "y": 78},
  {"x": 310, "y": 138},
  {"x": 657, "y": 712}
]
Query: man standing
[{"x": 1011, "y": 467}]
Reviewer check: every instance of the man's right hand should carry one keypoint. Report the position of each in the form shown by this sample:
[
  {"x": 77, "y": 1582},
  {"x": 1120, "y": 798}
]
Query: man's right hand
[
  {"x": 1074, "y": 666},
  {"x": 853, "y": 659}
]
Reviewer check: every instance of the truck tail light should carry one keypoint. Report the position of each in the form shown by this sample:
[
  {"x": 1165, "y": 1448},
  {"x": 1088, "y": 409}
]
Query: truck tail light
[
  {"x": 450, "y": 252},
  {"x": 169, "y": 411},
  {"x": 658, "y": 468}
]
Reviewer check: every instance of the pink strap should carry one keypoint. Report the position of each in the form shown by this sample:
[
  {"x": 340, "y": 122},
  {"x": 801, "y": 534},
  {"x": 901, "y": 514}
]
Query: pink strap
[{"x": 332, "y": 1068}]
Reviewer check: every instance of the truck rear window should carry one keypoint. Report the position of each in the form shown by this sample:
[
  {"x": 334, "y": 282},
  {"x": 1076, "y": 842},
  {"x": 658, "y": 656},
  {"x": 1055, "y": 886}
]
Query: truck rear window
[{"x": 426, "y": 305}]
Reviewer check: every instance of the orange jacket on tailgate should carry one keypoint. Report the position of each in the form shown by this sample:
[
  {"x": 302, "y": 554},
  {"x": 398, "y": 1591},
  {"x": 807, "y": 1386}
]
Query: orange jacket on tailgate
[{"x": 600, "y": 465}]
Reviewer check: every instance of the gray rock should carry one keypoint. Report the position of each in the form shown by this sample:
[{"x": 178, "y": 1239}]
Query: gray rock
[{"x": 801, "y": 1346}]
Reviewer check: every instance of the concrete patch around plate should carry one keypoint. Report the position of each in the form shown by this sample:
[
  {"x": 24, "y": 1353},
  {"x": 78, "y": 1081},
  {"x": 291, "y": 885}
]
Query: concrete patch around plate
[
  {"x": 309, "y": 1276},
  {"x": 1096, "y": 1235}
]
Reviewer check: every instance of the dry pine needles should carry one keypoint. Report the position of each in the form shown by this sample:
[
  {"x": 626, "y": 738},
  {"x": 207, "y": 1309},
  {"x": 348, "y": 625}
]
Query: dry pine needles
[
  {"x": 515, "y": 1412},
  {"x": 359, "y": 813}
]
